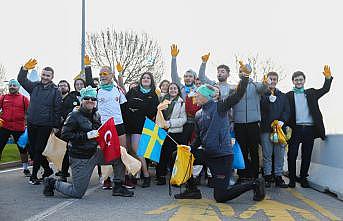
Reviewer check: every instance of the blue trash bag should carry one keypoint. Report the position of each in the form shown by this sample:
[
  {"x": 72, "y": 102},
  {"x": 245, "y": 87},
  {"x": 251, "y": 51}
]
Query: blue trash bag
[
  {"x": 238, "y": 159},
  {"x": 22, "y": 141}
]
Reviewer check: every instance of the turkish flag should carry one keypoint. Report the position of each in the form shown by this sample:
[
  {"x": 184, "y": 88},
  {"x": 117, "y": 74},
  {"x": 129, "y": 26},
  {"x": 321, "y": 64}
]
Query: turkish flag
[{"x": 108, "y": 141}]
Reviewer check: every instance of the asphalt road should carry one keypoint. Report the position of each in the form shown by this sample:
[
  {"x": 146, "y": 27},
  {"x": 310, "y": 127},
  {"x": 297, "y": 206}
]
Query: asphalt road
[{"x": 22, "y": 201}]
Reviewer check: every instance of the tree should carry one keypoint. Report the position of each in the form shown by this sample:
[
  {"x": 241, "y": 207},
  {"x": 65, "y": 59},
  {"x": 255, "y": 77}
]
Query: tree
[
  {"x": 3, "y": 87},
  {"x": 260, "y": 66},
  {"x": 137, "y": 52}
]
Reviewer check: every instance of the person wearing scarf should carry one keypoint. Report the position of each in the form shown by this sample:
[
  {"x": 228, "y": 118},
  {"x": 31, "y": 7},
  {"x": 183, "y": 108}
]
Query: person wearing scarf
[
  {"x": 187, "y": 92},
  {"x": 306, "y": 122},
  {"x": 175, "y": 117},
  {"x": 142, "y": 102}
]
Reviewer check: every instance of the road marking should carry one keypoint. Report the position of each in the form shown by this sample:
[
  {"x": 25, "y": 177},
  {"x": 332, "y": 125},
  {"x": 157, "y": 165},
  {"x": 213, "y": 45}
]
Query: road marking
[
  {"x": 276, "y": 211},
  {"x": 57, "y": 207},
  {"x": 200, "y": 210},
  {"x": 10, "y": 170},
  {"x": 314, "y": 205}
]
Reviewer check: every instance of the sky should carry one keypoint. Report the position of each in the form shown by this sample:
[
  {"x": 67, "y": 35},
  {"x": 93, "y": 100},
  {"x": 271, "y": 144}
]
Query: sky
[{"x": 297, "y": 35}]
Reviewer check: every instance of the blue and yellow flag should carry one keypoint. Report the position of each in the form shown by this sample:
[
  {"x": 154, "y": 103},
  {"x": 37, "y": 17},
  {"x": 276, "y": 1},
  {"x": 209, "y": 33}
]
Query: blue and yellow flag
[{"x": 150, "y": 143}]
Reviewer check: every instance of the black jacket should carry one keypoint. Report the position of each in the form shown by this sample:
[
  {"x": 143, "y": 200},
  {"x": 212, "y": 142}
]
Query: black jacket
[
  {"x": 69, "y": 102},
  {"x": 45, "y": 102},
  {"x": 137, "y": 107},
  {"x": 270, "y": 111},
  {"x": 75, "y": 130},
  {"x": 312, "y": 96}
]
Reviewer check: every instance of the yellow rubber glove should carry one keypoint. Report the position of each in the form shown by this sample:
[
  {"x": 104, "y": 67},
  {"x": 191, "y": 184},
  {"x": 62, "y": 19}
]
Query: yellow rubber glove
[
  {"x": 31, "y": 64},
  {"x": 205, "y": 57},
  {"x": 119, "y": 68},
  {"x": 1, "y": 122},
  {"x": 243, "y": 68},
  {"x": 174, "y": 50},
  {"x": 327, "y": 71},
  {"x": 87, "y": 61}
]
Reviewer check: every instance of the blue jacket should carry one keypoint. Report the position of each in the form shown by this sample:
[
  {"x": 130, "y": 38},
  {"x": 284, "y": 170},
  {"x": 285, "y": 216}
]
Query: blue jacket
[
  {"x": 212, "y": 124},
  {"x": 270, "y": 111}
]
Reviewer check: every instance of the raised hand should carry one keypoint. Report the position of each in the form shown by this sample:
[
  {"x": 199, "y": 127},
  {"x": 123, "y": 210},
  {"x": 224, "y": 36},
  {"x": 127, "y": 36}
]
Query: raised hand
[
  {"x": 174, "y": 50},
  {"x": 119, "y": 68},
  {"x": 31, "y": 64},
  {"x": 327, "y": 71},
  {"x": 245, "y": 68},
  {"x": 87, "y": 61},
  {"x": 205, "y": 57}
]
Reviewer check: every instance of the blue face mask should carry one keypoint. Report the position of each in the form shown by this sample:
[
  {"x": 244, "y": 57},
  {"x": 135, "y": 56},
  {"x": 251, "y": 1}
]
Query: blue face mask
[{"x": 298, "y": 90}]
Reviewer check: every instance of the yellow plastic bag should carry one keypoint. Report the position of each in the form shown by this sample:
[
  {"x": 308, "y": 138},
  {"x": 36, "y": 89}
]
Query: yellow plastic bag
[
  {"x": 55, "y": 150},
  {"x": 183, "y": 167},
  {"x": 132, "y": 164},
  {"x": 278, "y": 136}
]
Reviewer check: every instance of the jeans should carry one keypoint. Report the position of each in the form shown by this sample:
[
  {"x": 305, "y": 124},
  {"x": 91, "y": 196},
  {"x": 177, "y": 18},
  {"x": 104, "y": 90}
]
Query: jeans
[
  {"x": 82, "y": 170},
  {"x": 268, "y": 149}
]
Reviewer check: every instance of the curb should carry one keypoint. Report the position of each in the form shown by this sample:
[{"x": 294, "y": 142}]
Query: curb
[{"x": 10, "y": 165}]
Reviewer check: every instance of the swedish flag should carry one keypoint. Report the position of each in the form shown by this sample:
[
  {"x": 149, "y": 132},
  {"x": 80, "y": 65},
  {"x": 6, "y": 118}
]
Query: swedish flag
[{"x": 150, "y": 143}]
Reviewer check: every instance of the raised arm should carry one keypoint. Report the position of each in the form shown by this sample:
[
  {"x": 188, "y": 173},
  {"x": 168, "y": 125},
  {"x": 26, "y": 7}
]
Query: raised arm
[
  {"x": 88, "y": 72},
  {"x": 232, "y": 99},
  {"x": 327, "y": 83},
  {"x": 202, "y": 71},
  {"x": 22, "y": 76},
  {"x": 174, "y": 75}
]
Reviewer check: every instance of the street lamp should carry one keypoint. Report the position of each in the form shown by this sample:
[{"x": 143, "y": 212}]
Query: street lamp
[{"x": 83, "y": 45}]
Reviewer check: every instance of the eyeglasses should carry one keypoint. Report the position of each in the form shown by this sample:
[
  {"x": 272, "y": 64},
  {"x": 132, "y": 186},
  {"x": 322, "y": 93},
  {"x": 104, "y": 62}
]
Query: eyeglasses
[
  {"x": 104, "y": 74},
  {"x": 13, "y": 85},
  {"x": 87, "y": 98}
]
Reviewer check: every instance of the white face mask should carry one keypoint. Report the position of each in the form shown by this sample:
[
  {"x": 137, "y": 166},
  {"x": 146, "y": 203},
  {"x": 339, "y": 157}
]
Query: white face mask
[{"x": 272, "y": 98}]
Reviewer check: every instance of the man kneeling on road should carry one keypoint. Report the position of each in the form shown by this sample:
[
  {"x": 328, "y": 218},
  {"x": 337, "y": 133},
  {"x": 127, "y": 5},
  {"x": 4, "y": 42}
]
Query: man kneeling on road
[
  {"x": 212, "y": 133},
  {"x": 80, "y": 130}
]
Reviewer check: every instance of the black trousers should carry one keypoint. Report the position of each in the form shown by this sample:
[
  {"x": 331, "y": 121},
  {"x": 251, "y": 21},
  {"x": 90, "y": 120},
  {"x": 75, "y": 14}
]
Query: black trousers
[
  {"x": 248, "y": 137},
  {"x": 4, "y": 135},
  {"x": 221, "y": 169},
  {"x": 38, "y": 138},
  {"x": 305, "y": 136},
  {"x": 168, "y": 148},
  {"x": 187, "y": 132}
]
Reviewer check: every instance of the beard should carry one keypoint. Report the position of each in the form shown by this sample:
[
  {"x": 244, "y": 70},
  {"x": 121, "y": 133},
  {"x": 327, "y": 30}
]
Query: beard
[{"x": 13, "y": 91}]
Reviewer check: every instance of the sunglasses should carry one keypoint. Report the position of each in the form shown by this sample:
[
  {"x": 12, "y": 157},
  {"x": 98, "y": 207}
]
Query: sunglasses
[
  {"x": 104, "y": 74},
  {"x": 13, "y": 85},
  {"x": 89, "y": 98}
]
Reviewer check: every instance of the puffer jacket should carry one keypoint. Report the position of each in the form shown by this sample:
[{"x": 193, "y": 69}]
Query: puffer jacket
[
  {"x": 45, "y": 102},
  {"x": 178, "y": 117},
  {"x": 75, "y": 130},
  {"x": 247, "y": 110}
]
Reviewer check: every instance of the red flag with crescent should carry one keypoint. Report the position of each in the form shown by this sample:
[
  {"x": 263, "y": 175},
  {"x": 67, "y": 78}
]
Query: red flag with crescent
[{"x": 108, "y": 141}]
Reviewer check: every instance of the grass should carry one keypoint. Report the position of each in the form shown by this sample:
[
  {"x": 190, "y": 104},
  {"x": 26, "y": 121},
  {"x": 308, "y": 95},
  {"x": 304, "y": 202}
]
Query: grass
[{"x": 10, "y": 153}]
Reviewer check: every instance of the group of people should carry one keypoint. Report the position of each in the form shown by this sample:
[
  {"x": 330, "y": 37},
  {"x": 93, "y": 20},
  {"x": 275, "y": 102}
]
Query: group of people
[{"x": 199, "y": 112}]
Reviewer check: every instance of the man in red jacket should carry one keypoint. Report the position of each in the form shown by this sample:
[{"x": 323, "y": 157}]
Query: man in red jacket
[{"x": 12, "y": 119}]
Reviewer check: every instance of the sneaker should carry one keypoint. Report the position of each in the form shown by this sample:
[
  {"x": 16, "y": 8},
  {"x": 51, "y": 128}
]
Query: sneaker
[
  {"x": 304, "y": 183},
  {"x": 161, "y": 181},
  {"x": 49, "y": 186},
  {"x": 27, "y": 173},
  {"x": 259, "y": 189},
  {"x": 146, "y": 182},
  {"x": 107, "y": 184},
  {"x": 210, "y": 182},
  {"x": 291, "y": 183},
  {"x": 119, "y": 190},
  {"x": 268, "y": 180},
  {"x": 189, "y": 194},
  {"x": 34, "y": 180},
  {"x": 47, "y": 173},
  {"x": 279, "y": 182},
  {"x": 128, "y": 184}
]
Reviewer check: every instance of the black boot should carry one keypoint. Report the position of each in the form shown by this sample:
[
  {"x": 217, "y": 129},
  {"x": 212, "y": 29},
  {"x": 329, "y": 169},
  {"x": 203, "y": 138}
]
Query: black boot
[
  {"x": 259, "y": 189},
  {"x": 279, "y": 182},
  {"x": 119, "y": 190},
  {"x": 291, "y": 183},
  {"x": 49, "y": 186},
  {"x": 161, "y": 181},
  {"x": 304, "y": 183},
  {"x": 191, "y": 192},
  {"x": 268, "y": 180},
  {"x": 146, "y": 182}
]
